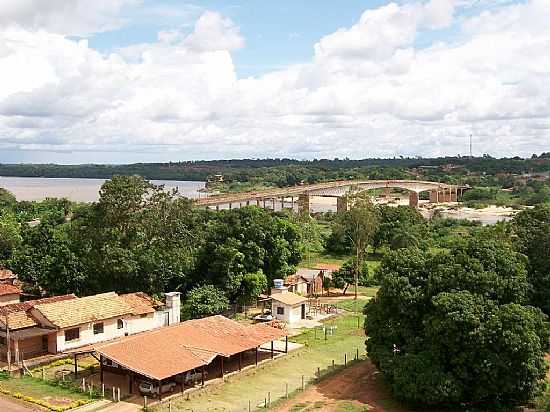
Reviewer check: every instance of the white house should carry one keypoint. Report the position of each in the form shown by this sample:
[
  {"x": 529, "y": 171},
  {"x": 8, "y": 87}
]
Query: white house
[
  {"x": 287, "y": 306},
  {"x": 57, "y": 324}
]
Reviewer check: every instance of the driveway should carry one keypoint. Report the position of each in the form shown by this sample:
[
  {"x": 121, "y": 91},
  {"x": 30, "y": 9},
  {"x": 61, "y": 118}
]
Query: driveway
[{"x": 13, "y": 406}]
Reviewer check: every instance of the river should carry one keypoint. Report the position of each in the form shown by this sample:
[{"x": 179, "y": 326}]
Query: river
[{"x": 79, "y": 190}]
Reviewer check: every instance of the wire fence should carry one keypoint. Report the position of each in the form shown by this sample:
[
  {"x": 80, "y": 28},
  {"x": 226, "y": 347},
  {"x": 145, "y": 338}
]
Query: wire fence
[{"x": 287, "y": 389}]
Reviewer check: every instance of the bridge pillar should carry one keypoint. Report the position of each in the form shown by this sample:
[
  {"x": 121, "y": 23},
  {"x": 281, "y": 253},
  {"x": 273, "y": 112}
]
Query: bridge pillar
[
  {"x": 454, "y": 194},
  {"x": 303, "y": 204},
  {"x": 413, "y": 199},
  {"x": 341, "y": 204}
]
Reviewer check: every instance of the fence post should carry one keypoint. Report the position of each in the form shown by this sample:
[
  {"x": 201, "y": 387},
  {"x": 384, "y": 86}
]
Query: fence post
[
  {"x": 145, "y": 401},
  {"x": 302, "y": 383},
  {"x": 43, "y": 374},
  {"x": 357, "y": 354},
  {"x": 249, "y": 406},
  {"x": 114, "y": 395},
  {"x": 269, "y": 399},
  {"x": 345, "y": 359},
  {"x": 83, "y": 384},
  {"x": 318, "y": 373},
  {"x": 286, "y": 390},
  {"x": 333, "y": 364},
  {"x": 170, "y": 406},
  {"x": 102, "y": 390},
  {"x": 118, "y": 395}
]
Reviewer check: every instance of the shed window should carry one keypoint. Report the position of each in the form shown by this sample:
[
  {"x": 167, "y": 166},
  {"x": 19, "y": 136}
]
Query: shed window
[
  {"x": 98, "y": 328},
  {"x": 72, "y": 334},
  {"x": 119, "y": 324},
  {"x": 280, "y": 310}
]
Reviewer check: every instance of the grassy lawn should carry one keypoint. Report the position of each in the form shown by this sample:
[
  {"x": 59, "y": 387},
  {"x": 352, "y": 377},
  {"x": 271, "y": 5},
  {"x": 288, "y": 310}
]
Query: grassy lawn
[
  {"x": 254, "y": 385},
  {"x": 40, "y": 392}
]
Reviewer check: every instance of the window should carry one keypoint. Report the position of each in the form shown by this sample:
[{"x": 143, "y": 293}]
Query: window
[
  {"x": 143, "y": 315},
  {"x": 2, "y": 340},
  {"x": 98, "y": 328},
  {"x": 119, "y": 324},
  {"x": 72, "y": 334},
  {"x": 280, "y": 310}
]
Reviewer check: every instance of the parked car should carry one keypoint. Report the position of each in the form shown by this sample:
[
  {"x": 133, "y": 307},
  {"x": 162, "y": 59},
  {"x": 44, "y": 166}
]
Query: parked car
[
  {"x": 191, "y": 377},
  {"x": 264, "y": 317},
  {"x": 149, "y": 388}
]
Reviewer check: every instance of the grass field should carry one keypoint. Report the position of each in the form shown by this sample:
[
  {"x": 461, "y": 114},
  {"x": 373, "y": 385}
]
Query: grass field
[
  {"x": 41, "y": 391},
  {"x": 272, "y": 378}
]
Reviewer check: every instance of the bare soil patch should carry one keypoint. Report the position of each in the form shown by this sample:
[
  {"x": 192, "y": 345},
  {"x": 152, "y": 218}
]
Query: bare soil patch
[{"x": 357, "y": 388}]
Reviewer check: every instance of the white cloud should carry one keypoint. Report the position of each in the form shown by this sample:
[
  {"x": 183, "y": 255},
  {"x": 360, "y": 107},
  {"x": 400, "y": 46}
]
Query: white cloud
[
  {"x": 369, "y": 90},
  {"x": 70, "y": 17}
]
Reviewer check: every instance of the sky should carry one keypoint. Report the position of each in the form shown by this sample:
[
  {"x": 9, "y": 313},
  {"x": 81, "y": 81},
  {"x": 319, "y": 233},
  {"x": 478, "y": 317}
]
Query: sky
[{"x": 122, "y": 81}]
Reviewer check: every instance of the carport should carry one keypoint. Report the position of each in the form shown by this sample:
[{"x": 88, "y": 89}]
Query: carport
[{"x": 168, "y": 353}]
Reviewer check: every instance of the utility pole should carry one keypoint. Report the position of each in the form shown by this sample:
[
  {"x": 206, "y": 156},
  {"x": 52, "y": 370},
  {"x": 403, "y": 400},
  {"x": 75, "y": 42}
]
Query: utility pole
[{"x": 471, "y": 157}]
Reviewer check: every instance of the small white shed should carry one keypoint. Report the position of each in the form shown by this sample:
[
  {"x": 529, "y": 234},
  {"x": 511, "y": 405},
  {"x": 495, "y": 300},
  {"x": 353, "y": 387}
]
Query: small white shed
[{"x": 288, "y": 307}]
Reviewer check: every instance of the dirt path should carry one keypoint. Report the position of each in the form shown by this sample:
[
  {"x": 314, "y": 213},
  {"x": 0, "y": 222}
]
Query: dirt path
[{"x": 354, "y": 389}]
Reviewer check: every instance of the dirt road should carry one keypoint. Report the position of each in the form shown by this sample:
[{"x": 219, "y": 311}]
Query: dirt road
[
  {"x": 353, "y": 389},
  {"x": 14, "y": 406}
]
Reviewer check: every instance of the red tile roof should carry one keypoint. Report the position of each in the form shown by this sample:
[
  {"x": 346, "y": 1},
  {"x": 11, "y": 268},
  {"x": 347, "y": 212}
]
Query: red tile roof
[
  {"x": 7, "y": 289},
  {"x": 176, "y": 349}
]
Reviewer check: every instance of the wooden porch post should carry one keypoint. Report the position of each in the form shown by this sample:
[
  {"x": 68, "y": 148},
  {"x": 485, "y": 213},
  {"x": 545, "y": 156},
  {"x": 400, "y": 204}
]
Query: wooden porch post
[
  {"x": 160, "y": 389},
  {"x": 221, "y": 365},
  {"x": 272, "y": 353},
  {"x": 256, "y": 356},
  {"x": 240, "y": 361},
  {"x": 131, "y": 382},
  {"x": 202, "y": 375},
  {"x": 286, "y": 344},
  {"x": 101, "y": 368},
  {"x": 75, "y": 367}
]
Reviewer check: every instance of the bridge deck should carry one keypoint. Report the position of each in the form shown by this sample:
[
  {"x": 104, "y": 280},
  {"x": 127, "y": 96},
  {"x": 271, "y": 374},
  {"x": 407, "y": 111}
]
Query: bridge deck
[{"x": 320, "y": 189}]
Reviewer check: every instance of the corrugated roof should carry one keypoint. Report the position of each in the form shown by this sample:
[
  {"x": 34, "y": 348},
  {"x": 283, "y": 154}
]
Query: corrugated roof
[
  {"x": 308, "y": 274},
  {"x": 140, "y": 302},
  {"x": 7, "y": 289},
  {"x": 19, "y": 316},
  {"x": 165, "y": 352},
  {"x": 288, "y": 298},
  {"x": 74, "y": 312}
]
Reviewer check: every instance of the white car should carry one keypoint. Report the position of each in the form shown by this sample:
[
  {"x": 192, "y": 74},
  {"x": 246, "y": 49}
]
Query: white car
[{"x": 148, "y": 388}]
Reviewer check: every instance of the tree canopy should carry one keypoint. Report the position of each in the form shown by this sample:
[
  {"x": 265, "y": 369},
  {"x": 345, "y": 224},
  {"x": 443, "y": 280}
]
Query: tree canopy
[{"x": 451, "y": 328}]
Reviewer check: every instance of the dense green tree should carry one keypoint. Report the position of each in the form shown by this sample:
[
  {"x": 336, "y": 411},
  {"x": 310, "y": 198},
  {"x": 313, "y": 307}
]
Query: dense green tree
[
  {"x": 344, "y": 277},
  {"x": 137, "y": 237},
  {"x": 10, "y": 236},
  {"x": 7, "y": 199},
  {"x": 532, "y": 229},
  {"x": 395, "y": 222},
  {"x": 205, "y": 300},
  {"x": 451, "y": 328},
  {"x": 46, "y": 262},
  {"x": 243, "y": 241},
  {"x": 252, "y": 284}
]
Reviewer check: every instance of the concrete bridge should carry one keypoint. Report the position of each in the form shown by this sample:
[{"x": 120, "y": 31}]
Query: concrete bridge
[{"x": 268, "y": 199}]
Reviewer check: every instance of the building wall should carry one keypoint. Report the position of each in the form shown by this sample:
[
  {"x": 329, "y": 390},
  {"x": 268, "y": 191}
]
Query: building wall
[
  {"x": 291, "y": 314},
  {"x": 9, "y": 299},
  {"x": 131, "y": 325}
]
